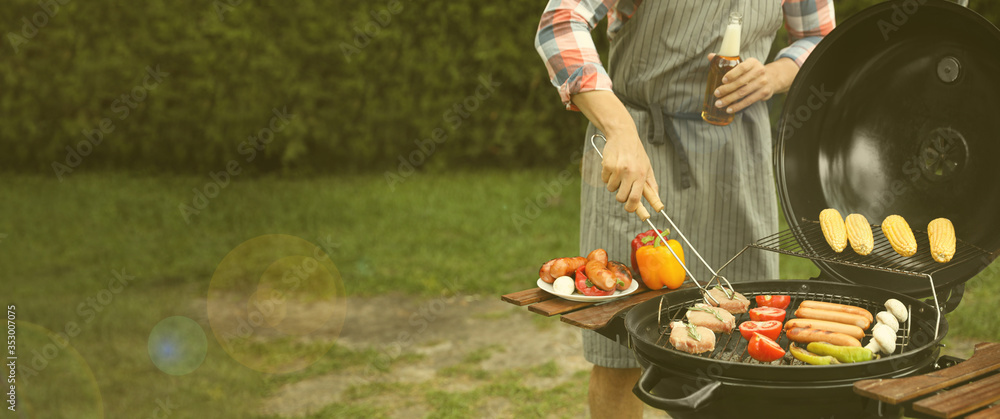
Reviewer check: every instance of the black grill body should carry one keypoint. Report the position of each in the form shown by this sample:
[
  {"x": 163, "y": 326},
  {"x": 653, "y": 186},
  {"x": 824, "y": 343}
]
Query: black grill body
[{"x": 727, "y": 381}]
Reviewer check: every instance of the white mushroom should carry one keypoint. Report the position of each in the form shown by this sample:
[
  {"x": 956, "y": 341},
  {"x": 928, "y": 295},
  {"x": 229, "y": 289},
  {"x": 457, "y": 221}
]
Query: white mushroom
[
  {"x": 888, "y": 319},
  {"x": 885, "y": 337},
  {"x": 563, "y": 285},
  {"x": 873, "y": 346},
  {"x": 896, "y": 308}
]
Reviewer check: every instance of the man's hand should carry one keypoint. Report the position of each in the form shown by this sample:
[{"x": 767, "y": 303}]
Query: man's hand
[
  {"x": 625, "y": 168},
  {"x": 751, "y": 82}
]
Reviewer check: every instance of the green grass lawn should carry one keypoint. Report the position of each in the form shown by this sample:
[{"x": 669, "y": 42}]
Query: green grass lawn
[{"x": 434, "y": 234}]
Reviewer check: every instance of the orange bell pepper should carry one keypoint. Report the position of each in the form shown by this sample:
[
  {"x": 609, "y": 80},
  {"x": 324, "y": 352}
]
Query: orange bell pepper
[{"x": 658, "y": 267}]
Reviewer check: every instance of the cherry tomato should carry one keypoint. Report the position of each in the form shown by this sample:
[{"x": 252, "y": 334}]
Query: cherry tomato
[
  {"x": 776, "y": 301},
  {"x": 763, "y": 349},
  {"x": 763, "y": 314},
  {"x": 771, "y": 329}
]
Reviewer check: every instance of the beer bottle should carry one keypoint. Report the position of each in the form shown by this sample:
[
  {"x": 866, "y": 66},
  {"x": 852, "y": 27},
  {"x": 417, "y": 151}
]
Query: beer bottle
[{"x": 727, "y": 58}]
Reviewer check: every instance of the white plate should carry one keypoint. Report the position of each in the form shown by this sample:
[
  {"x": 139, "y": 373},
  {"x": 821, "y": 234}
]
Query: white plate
[{"x": 576, "y": 296}]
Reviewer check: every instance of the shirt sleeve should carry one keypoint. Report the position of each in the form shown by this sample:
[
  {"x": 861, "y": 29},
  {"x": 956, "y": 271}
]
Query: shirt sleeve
[
  {"x": 807, "y": 22},
  {"x": 563, "y": 40}
]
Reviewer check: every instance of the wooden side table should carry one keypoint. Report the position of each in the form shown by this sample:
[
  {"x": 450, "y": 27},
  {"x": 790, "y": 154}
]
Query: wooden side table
[
  {"x": 606, "y": 318},
  {"x": 946, "y": 393}
]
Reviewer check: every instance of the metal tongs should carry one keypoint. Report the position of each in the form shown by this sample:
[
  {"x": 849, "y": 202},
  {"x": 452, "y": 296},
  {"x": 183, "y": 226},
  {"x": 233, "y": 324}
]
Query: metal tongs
[{"x": 658, "y": 206}]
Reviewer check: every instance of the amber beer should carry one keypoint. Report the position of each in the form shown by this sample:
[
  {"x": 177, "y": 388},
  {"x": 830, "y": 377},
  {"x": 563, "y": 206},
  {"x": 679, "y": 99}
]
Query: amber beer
[{"x": 727, "y": 58}]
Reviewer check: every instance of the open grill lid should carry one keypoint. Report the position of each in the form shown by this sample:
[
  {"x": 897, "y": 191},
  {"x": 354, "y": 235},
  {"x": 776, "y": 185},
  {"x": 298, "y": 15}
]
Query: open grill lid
[{"x": 896, "y": 112}]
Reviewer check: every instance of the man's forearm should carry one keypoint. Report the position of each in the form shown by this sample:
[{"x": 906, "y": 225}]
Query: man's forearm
[
  {"x": 625, "y": 167},
  {"x": 607, "y": 113},
  {"x": 782, "y": 71}
]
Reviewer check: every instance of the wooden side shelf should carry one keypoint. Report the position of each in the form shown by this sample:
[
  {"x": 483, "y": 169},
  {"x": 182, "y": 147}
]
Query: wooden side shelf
[
  {"x": 585, "y": 315},
  {"x": 529, "y": 296},
  {"x": 981, "y": 387}
]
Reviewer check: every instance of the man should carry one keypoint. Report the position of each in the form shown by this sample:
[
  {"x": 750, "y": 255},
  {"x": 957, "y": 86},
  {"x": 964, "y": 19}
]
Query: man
[{"x": 716, "y": 180}]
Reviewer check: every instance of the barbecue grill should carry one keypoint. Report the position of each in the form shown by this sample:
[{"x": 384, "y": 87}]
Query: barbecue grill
[
  {"x": 706, "y": 385},
  {"x": 907, "y": 129},
  {"x": 726, "y": 381}
]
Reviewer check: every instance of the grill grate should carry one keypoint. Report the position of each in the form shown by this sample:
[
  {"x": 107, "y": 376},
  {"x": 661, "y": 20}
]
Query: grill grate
[
  {"x": 733, "y": 348},
  {"x": 882, "y": 258}
]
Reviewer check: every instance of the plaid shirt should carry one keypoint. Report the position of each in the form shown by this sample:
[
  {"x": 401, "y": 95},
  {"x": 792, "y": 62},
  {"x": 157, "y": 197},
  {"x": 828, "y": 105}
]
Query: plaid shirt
[{"x": 563, "y": 38}]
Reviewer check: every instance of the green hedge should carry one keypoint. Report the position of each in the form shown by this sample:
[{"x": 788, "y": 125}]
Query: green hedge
[
  {"x": 358, "y": 102},
  {"x": 351, "y": 111}
]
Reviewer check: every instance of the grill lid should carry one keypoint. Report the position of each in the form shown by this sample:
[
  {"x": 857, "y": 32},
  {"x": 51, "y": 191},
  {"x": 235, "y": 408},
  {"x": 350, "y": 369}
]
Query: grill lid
[{"x": 894, "y": 113}]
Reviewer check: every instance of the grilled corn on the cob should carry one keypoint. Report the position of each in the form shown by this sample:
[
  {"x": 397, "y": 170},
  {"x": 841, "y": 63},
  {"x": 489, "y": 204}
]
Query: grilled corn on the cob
[
  {"x": 899, "y": 234},
  {"x": 833, "y": 229},
  {"x": 859, "y": 234},
  {"x": 941, "y": 233}
]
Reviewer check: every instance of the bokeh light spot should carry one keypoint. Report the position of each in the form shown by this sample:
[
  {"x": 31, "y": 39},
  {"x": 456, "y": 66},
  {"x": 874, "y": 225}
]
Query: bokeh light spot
[
  {"x": 276, "y": 303},
  {"x": 177, "y": 345}
]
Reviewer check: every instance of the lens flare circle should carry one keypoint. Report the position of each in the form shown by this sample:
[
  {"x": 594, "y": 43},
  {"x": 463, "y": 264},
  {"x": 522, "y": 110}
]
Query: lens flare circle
[
  {"x": 276, "y": 303},
  {"x": 53, "y": 379},
  {"x": 177, "y": 345}
]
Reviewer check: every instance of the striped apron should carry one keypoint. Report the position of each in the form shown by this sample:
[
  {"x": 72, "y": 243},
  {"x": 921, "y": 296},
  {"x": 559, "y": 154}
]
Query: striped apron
[{"x": 716, "y": 181}]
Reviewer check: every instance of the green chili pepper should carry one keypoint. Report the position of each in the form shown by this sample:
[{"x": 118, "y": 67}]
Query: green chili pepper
[
  {"x": 846, "y": 354},
  {"x": 811, "y": 358}
]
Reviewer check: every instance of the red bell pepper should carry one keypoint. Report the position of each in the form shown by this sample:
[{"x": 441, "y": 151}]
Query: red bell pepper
[
  {"x": 763, "y": 314},
  {"x": 776, "y": 301},
  {"x": 643, "y": 239},
  {"x": 763, "y": 349},
  {"x": 586, "y": 287},
  {"x": 771, "y": 329}
]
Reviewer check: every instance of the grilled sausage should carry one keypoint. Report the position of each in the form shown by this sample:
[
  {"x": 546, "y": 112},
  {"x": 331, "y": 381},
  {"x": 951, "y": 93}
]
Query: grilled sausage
[
  {"x": 833, "y": 316},
  {"x": 839, "y": 307},
  {"x": 597, "y": 270},
  {"x": 807, "y": 335},
  {"x": 623, "y": 276},
  {"x": 847, "y": 329},
  {"x": 544, "y": 274},
  {"x": 598, "y": 254},
  {"x": 559, "y": 267}
]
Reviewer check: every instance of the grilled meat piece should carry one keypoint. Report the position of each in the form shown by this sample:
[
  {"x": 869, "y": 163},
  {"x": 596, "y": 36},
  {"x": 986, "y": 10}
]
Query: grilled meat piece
[
  {"x": 682, "y": 339},
  {"x": 738, "y": 304},
  {"x": 713, "y": 318}
]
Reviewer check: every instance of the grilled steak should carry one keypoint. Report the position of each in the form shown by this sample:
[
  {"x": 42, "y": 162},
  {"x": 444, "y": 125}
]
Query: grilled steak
[
  {"x": 707, "y": 316},
  {"x": 738, "y": 304},
  {"x": 680, "y": 337}
]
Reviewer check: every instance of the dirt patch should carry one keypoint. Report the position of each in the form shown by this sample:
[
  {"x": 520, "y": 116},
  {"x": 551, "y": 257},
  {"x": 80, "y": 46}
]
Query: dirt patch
[
  {"x": 454, "y": 339},
  {"x": 448, "y": 332}
]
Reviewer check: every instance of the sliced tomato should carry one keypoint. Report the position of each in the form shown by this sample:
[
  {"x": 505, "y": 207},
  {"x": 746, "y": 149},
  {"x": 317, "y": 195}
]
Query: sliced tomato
[
  {"x": 763, "y": 349},
  {"x": 776, "y": 301},
  {"x": 763, "y": 314},
  {"x": 770, "y": 328}
]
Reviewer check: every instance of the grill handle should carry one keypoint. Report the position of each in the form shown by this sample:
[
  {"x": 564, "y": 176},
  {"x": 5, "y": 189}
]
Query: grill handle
[{"x": 652, "y": 376}]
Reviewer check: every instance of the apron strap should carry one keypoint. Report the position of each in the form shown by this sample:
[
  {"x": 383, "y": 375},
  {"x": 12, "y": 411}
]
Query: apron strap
[{"x": 656, "y": 113}]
